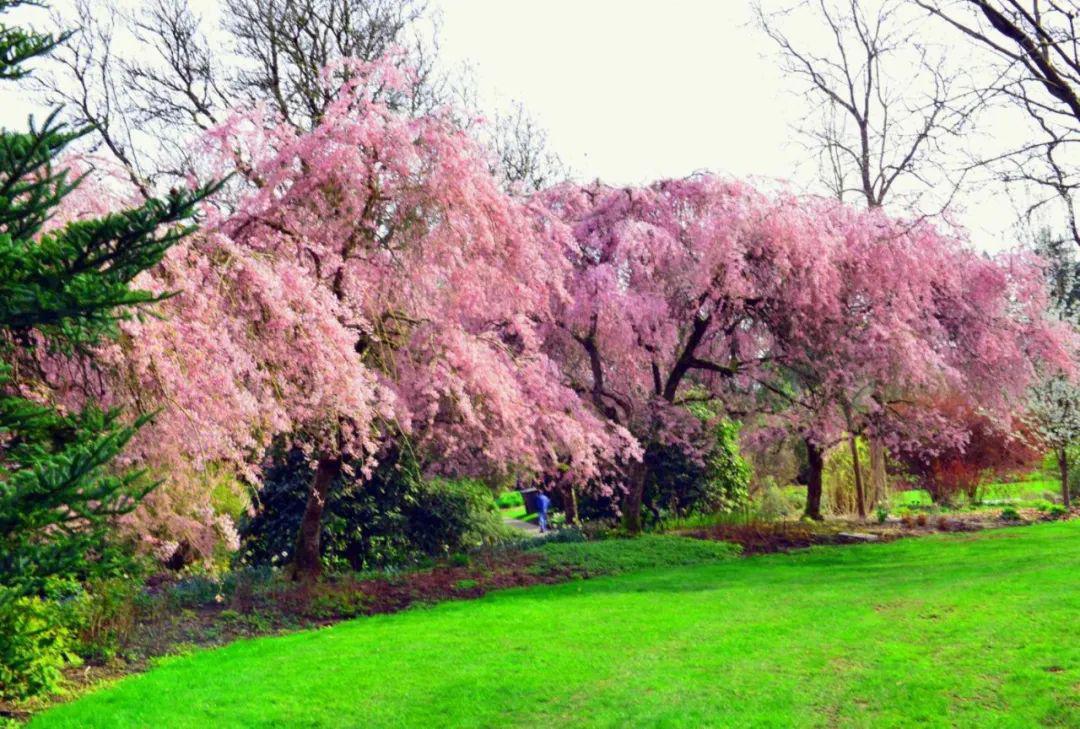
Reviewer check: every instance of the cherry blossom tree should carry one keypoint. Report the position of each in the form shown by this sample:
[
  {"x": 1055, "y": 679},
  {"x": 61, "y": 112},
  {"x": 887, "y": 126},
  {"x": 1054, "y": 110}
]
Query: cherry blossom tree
[
  {"x": 820, "y": 315},
  {"x": 670, "y": 293},
  {"x": 363, "y": 280}
]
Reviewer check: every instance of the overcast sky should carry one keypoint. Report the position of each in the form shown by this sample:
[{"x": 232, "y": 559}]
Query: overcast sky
[{"x": 632, "y": 91}]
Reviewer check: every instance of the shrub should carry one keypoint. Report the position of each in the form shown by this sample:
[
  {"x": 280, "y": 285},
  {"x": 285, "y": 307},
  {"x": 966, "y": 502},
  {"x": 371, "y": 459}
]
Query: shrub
[
  {"x": 1057, "y": 511},
  {"x": 392, "y": 518},
  {"x": 838, "y": 477},
  {"x": 881, "y": 513},
  {"x": 990, "y": 451},
  {"x": 921, "y": 519},
  {"x": 680, "y": 485},
  {"x": 101, "y": 615},
  {"x": 773, "y": 504},
  {"x": 510, "y": 500},
  {"x": 34, "y": 645},
  {"x": 1009, "y": 514}
]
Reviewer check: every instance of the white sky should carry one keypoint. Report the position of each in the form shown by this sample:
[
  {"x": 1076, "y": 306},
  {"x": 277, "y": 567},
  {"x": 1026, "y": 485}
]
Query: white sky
[{"x": 631, "y": 91}]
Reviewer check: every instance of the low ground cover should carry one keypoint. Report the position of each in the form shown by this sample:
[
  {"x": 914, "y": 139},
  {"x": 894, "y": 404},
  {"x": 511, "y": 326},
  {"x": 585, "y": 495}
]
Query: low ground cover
[{"x": 959, "y": 629}]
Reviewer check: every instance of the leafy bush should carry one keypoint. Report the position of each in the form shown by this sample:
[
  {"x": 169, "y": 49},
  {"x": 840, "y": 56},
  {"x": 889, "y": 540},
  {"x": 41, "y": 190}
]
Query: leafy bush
[
  {"x": 393, "y": 518},
  {"x": 510, "y": 499},
  {"x": 34, "y": 646},
  {"x": 101, "y": 614},
  {"x": 838, "y": 477},
  {"x": 773, "y": 504},
  {"x": 680, "y": 485},
  {"x": 1009, "y": 514}
]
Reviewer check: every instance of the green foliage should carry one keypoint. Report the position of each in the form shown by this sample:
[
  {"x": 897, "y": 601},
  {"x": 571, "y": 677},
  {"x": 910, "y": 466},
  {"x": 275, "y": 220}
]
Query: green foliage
[
  {"x": 391, "y": 519},
  {"x": 101, "y": 614},
  {"x": 838, "y": 477},
  {"x": 881, "y": 513},
  {"x": 1010, "y": 514},
  {"x": 61, "y": 290},
  {"x": 36, "y": 645},
  {"x": 680, "y": 485},
  {"x": 509, "y": 500},
  {"x": 773, "y": 504}
]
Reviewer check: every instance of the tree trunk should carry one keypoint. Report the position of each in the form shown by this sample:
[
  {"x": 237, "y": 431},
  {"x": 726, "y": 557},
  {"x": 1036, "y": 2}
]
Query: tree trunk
[
  {"x": 816, "y": 460},
  {"x": 571, "y": 505},
  {"x": 860, "y": 494},
  {"x": 1063, "y": 469},
  {"x": 307, "y": 563},
  {"x": 631, "y": 503},
  {"x": 879, "y": 486}
]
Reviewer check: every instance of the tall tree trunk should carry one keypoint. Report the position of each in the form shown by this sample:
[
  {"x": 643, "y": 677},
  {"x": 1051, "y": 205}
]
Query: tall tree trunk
[
  {"x": 307, "y": 563},
  {"x": 879, "y": 486},
  {"x": 1063, "y": 469},
  {"x": 631, "y": 503},
  {"x": 571, "y": 505},
  {"x": 860, "y": 493},
  {"x": 816, "y": 459}
]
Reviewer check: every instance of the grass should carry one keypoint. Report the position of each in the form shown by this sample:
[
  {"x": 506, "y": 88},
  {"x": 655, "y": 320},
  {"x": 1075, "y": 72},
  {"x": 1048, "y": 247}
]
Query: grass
[
  {"x": 616, "y": 556},
  {"x": 951, "y": 630}
]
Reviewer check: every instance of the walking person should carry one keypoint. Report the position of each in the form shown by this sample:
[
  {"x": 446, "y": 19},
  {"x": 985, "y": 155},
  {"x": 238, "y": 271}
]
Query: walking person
[{"x": 543, "y": 503}]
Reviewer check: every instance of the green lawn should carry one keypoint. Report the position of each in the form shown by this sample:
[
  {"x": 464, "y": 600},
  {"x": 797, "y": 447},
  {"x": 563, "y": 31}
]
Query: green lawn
[{"x": 951, "y": 630}]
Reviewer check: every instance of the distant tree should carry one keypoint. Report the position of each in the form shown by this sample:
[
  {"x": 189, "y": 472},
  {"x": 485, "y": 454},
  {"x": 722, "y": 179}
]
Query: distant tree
[
  {"x": 1055, "y": 403},
  {"x": 812, "y": 311},
  {"x": 884, "y": 103},
  {"x": 522, "y": 157},
  {"x": 62, "y": 289},
  {"x": 147, "y": 105}
]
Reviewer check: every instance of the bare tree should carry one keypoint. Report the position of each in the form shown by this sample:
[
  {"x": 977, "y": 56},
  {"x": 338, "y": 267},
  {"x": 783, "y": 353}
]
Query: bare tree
[
  {"x": 286, "y": 44},
  {"x": 1035, "y": 68},
  {"x": 885, "y": 101},
  {"x": 150, "y": 79},
  {"x": 522, "y": 158}
]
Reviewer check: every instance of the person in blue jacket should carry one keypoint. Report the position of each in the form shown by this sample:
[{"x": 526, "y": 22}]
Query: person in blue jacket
[{"x": 542, "y": 505}]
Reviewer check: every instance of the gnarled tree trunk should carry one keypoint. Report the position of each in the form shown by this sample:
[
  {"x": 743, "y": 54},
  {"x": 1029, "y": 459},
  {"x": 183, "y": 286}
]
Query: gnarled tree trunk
[
  {"x": 816, "y": 460},
  {"x": 307, "y": 562}
]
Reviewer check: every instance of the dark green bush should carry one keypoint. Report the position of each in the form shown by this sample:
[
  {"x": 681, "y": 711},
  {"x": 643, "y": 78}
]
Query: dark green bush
[
  {"x": 1009, "y": 514},
  {"x": 680, "y": 485},
  {"x": 394, "y": 518}
]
